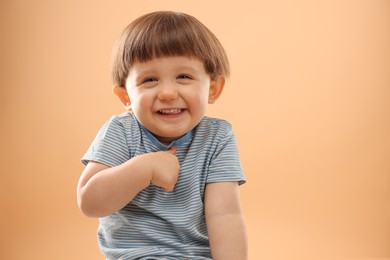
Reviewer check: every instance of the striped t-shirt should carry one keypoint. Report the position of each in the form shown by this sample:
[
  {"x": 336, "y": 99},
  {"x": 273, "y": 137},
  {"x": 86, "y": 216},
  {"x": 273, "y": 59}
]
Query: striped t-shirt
[{"x": 158, "y": 224}]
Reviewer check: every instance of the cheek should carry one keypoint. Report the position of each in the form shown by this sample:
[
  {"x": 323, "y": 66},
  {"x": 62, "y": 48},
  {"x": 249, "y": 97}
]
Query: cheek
[
  {"x": 140, "y": 100},
  {"x": 200, "y": 102},
  {"x": 204, "y": 96}
]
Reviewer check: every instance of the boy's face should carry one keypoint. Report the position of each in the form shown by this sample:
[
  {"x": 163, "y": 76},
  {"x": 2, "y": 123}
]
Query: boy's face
[{"x": 169, "y": 95}]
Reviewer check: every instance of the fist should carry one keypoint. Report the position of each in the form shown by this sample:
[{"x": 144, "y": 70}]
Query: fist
[{"x": 165, "y": 169}]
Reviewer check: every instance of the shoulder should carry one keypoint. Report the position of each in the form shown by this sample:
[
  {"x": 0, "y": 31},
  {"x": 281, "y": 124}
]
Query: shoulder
[
  {"x": 122, "y": 122},
  {"x": 122, "y": 119},
  {"x": 119, "y": 127},
  {"x": 215, "y": 127},
  {"x": 215, "y": 124},
  {"x": 213, "y": 132},
  {"x": 111, "y": 144}
]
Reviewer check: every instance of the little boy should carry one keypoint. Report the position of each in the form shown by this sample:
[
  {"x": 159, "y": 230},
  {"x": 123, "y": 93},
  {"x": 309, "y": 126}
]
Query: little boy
[{"x": 163, "y": 178}]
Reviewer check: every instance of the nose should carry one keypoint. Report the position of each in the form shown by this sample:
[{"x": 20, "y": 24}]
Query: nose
[{"x": 167, "y": 92}]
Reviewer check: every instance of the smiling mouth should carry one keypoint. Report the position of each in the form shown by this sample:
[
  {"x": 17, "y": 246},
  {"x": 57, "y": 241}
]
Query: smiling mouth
[{"x": 172, "y": 111}]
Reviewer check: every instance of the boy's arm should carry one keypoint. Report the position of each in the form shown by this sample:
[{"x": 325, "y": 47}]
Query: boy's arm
[
  {"x": 225, "y": 222},
  {"x": 104, "y": 190}
]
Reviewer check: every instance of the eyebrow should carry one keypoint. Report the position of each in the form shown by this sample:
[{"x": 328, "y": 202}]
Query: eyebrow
[{"x": 187, "y": 68}]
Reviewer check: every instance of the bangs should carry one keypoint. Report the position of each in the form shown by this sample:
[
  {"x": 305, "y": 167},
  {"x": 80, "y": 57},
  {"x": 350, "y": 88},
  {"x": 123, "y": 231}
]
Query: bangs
[
  {"x": 167, "y": 36},
  {"x": 164, "y": 34}
]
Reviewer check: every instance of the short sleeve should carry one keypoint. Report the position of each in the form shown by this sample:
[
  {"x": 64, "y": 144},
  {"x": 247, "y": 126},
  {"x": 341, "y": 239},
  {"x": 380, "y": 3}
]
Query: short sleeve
[
  {"x": 225, "y": 163},
  {"x": 110, "y": 145}
]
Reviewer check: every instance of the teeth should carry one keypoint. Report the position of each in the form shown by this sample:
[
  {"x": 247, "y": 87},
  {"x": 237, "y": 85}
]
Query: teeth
[{"x": 170, "y": 111}]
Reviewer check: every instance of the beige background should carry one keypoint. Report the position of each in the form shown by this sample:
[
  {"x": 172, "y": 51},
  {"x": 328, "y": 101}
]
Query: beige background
[{"x": 309, "y": 99}]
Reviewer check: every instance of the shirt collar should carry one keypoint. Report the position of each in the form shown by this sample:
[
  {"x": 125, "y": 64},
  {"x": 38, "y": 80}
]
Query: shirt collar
[{"x": 156, "y": 142}]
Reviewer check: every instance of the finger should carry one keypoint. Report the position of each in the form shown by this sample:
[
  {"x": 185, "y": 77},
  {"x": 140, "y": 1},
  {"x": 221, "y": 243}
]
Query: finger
[
  {"x": 167, "y": 189},
  {"x": 172, "y": 150}
]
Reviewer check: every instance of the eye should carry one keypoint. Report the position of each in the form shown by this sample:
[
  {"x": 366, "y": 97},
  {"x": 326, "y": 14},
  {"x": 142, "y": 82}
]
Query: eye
[
  {"x": 149, "y": 79},
  {"x": 148, "y": 82},
  {"x": 184, "y": 76}
]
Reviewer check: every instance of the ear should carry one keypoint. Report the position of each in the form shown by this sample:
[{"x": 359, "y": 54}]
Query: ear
[
  {"x": 123, "y": 96},
  {"x": 216, "y": 87}
]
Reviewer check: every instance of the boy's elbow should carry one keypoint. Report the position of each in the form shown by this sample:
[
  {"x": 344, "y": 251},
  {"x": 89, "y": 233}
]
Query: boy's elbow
[
  {"x": 87, "y": 205},
  {"x": 86, "y": 210}
]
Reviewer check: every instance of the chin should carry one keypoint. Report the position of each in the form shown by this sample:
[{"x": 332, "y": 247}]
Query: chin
[{"x": 173, "y": 133}]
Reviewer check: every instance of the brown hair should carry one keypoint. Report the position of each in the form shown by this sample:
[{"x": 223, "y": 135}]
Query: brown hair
[{"x": 163, "y": 34}]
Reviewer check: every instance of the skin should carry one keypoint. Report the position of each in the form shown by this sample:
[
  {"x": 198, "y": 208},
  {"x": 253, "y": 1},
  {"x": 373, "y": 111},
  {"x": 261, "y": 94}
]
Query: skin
[{"x": 169, "y": 97}]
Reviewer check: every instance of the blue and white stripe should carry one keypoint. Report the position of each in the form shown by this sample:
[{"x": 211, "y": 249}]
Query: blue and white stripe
[{"x": 159, "y": 224}]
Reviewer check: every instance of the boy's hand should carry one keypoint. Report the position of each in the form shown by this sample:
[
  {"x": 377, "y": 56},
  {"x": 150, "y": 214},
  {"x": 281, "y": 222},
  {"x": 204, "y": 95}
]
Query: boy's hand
[{"x": 166, "y": 169}]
